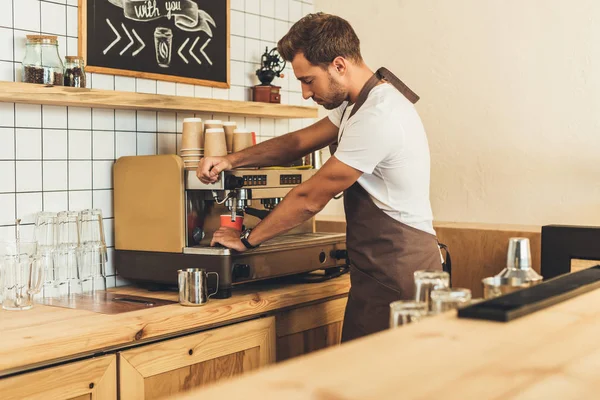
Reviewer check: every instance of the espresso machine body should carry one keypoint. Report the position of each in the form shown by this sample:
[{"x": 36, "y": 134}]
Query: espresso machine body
[{"x": 165, "y": 219}]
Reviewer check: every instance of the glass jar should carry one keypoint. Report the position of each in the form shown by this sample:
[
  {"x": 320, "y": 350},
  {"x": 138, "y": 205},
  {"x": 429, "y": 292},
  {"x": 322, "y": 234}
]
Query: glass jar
[
  {"x": 42, "y": 63},
  {"x": 74, "y": 72}
]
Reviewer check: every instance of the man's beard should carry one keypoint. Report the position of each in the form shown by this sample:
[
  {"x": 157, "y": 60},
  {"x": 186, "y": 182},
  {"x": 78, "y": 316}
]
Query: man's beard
[{"x": 336, "y": 96}]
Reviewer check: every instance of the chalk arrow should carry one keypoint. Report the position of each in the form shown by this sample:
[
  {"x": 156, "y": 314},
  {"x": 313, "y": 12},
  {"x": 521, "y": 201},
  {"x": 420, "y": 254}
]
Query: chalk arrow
[
  {"x": 181, "y": 48},
  {"x": 130, "y": 40},
  {"x": 203, "y": 53},
  {"x": 192, "y": 48},
  {"x": 114, "y": 41},
  {"x": 135, "y": 53}
]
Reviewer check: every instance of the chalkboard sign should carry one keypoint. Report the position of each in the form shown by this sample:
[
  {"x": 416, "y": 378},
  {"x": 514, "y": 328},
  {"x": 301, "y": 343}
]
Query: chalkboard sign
[{"x": 183, "y": 41}]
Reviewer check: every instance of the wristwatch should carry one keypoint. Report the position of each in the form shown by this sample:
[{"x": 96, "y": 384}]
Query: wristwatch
[{"x": 244, "y": 239}]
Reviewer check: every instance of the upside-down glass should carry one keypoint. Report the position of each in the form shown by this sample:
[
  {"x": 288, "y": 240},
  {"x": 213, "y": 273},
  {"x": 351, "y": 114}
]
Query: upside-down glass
[
  {"x": 66, "y": 260},
  {"x": 426, "y": 281},
  {"x": 403, "y": 312},
  {"x": 45, "y": 236},
  {"x": 93, "y": 253},
  {"x": 22, "y": 275},
  {"x": 443, "y": 300}
]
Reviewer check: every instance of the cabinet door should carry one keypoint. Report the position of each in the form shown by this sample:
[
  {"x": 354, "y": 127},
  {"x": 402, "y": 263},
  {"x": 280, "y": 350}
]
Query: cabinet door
[
  {"x": 178, "y": 365},
  {"x": 310, "y": 328},
  {"x": 89, "y": 379}
]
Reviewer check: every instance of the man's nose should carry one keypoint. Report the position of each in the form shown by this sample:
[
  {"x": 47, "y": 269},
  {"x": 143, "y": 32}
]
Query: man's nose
[{"x": 306, "y": 92}]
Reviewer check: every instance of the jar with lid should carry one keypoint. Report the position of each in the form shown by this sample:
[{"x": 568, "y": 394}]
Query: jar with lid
[
  {"x": 42, "y": 63},
  {"x": 74, "y": 72}
]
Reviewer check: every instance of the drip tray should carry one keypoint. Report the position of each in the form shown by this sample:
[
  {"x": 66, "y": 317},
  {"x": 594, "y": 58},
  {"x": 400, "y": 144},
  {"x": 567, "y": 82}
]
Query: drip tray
[{"x": 106, "y": 302}]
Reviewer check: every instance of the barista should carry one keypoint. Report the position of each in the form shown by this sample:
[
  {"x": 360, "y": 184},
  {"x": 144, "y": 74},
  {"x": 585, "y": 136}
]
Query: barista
[{"x": 381, "y": 163}]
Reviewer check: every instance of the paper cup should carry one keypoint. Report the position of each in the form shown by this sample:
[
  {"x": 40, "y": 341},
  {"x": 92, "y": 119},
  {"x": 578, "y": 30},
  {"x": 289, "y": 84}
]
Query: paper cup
[
  {"x": 229, "y": 127},
  {"x": 226, "y": 221},
  {"x": 213, "y": 124},
  {"x": 192, "y": 134},
  {"x": 242, "y": 139},
  {"x": 215, "y": 144}
]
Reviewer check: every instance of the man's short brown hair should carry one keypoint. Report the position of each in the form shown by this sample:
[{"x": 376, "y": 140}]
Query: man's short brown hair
[{"x": 321, "y": 38}]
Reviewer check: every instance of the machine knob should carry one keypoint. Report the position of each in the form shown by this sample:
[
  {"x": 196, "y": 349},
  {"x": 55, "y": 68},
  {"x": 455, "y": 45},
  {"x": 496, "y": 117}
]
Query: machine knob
[
  {"x": 322, "y": 257},
  {"x": 233, "y": 182},
  {"x": 241, "y": 271},
  {"x": 340, "y": 254}
]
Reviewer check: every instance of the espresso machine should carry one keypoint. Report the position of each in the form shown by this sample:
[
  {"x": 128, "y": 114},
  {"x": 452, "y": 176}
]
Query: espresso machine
[{"x": 165, "y": 219}]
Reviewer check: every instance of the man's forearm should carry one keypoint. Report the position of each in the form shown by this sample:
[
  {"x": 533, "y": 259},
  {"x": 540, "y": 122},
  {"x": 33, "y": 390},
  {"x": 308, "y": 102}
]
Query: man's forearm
[{"x": 277, "y": 151}]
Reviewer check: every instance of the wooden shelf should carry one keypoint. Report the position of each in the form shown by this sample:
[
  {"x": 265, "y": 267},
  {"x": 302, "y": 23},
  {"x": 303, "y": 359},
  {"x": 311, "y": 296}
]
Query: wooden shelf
[{"x": 28, "y": 93}]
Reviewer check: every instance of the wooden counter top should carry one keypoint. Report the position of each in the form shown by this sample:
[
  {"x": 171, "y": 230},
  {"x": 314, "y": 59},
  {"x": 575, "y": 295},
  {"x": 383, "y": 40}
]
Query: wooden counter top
[
  {"x": 45, "y": 335},
  {"x": 549, "y": 354}
]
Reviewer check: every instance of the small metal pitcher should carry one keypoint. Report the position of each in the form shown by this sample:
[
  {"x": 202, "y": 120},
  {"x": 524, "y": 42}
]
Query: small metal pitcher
[{"x": 193, "y": 286}]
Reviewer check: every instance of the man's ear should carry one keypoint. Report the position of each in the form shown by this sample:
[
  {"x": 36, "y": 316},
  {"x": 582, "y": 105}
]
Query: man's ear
[{"x": 340, "y": 65}]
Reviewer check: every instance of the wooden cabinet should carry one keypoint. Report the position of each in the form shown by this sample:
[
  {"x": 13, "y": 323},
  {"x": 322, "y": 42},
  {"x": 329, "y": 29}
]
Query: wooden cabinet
[
  {"x": 95, "y": 379},
  {"x": 309, "y": 328},
  {"x": 178, "y": 365}
]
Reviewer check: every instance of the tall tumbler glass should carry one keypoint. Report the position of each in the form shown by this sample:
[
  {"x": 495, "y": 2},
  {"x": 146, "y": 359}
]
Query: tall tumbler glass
[
  {"x": 93, "y": 253},
  {"x": 426, "y": 281},
  {"x": 443, "y": 300},
  {"x": 45, "y": 236},
  {"x": 66, "y": 265},
  {"x": 403, "y": 312},
  {"x": 22, "y": 275}
]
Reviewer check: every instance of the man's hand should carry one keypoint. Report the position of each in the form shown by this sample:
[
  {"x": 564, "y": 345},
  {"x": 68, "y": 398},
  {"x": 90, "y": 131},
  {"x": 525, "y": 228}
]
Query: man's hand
[
  {"x": 209, "y": 168},
  {"x": 229, "y": 238}
]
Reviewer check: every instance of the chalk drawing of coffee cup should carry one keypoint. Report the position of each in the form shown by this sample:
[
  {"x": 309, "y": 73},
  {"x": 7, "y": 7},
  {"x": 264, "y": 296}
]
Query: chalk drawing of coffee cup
[{"x": 163, "y": 40}]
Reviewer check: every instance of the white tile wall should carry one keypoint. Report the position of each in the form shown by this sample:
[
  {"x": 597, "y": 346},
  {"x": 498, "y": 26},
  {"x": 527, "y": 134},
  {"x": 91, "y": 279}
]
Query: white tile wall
[{"x": 55, "y": 158}]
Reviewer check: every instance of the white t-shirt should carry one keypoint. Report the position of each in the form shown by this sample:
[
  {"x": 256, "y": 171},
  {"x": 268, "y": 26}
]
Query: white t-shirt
[{"x": 386, "y": 140}]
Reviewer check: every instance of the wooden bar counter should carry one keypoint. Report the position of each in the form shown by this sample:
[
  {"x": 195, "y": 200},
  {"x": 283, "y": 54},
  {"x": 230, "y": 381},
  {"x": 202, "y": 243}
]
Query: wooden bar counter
[{"x": 551, "y": 354}]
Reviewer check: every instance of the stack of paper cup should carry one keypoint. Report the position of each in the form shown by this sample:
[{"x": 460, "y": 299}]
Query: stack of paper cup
[
  {"x": 192, "y": 142},
  {"x": 229, "y": 127},
  {"x": 242, "y": 139}
]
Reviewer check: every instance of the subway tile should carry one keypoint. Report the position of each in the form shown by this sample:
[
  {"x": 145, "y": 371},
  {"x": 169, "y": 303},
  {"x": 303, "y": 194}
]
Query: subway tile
[
  {"x": 109, "y": 231},
  {"x": 307, "y": 9},
  {"x": 221, "y": 94},
  {"x": 7, "y": 176},
  {"x": 145, "y": 85},
  {"x": 103, "y": 119},
  {"x": 80, "y": 145},
  {"x": 19, "y": 40},
  {"x": 7, "y": 114},
  {"x": 253, "y": 51},
  {"x": 102, "y": 171},
  {"x": 282, "y": 126},
  {"x": 203, "y": 92},
  {"x": 178, "y": 142},
  {"x": 80, "y": 200},
  {"x": 6, "y": 17},
  {"x": 6, "y": 44},
  {"x": 55, "y": 175},
  {"x": 282, "y": 10},
  {"x": 103, "y": 145},
  {"x": 182, "y": 116},
  {"x": 103, "y": 199},
  {"x": 110, "y": 266},
  {"x": 296, "y": 99},
  {"x": 29, "y": 176},
  {"x": 72, "y": 2},
  {"x": 267, "y": 8},
  {"x": 237, "y": 70},
  {"x": 239, "y": 93},
  {"x": 250, "y": 77},
  {"x": 111, "y": 280},
  {"x": 121, "y": 281},
  {"x": 281, "y": 28},
  {"x": 7, "y": 143},
  {"x": 72, "y": 49},
  {"x": 72, "y": 24},
  {"x": 54, "y": 116},
  {"x": 267, "y": 127},
  {"x": 146, "y": 121},
  {"x": 239, "y": 120},
  {"x": 252, "y": 6},
  {"x": 295, "y": 10},
  {"x": 28, "y": 204},
  {"x": 236, "y": 50},
  {"x": 253, "y": 125},
  {"x": 27, "y": 15},
  {"x": 56, "y": 201},
  {"x": 80, "y": 175},
  {"x": 252, "y": 26},
  {"x": 146, "y": 144},
  {"x": 29, "y": 144},
  {"x": 267, "y": 29},
  {"x": 184, "y": 89},
  {"x": 54, "y": 144},
  {"x": 295, "y": 124},
  {"x": 54, "y": 18},
  {"x": 235, "y": 5},
  {"x": 125, "y": 120},
  {"x": 167, "y": 122},
  {"x": 236, "y": 25},
  {"x": 7, "y": 209},
  {"x": 80, "y": 118},
  {"x": 167, "y": 143},
  {"x": 28, "y": 115},
  {"x": 103, "y": 81},
  {"x": 126, "y": 144},
  {"x": 169, "y": 88},
  {"x": 125, "y": 83}
]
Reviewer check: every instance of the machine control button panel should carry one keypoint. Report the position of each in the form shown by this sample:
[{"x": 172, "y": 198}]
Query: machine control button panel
[
  {"x": 255, "y": 180},
  {"x": 290, "y": 179}
]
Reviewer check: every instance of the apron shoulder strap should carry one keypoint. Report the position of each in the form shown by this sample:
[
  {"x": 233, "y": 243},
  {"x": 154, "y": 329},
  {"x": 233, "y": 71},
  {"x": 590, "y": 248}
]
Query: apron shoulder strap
[{"x": 385, "y": 74}]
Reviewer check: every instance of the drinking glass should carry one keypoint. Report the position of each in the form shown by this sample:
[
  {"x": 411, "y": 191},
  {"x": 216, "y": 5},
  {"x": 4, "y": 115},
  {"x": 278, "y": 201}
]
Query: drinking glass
[
  {"x": 66, "y": 260},
  {"x": 22, "y": 275},
  {"x": 403, "y": 312},
  {"x": 93, "y": 253},
  {"x": 443, "y": 300},
  {"x": 426, "y": 281},
  {"x": 45, "y": 236}
]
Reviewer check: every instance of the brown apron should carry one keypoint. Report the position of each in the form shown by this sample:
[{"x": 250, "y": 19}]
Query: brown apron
[{"x": 384, "y": 253}]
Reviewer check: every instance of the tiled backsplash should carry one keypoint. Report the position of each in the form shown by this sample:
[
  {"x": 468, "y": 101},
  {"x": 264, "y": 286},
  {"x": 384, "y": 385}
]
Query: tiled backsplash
[{"x": 57, "y": 158}]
